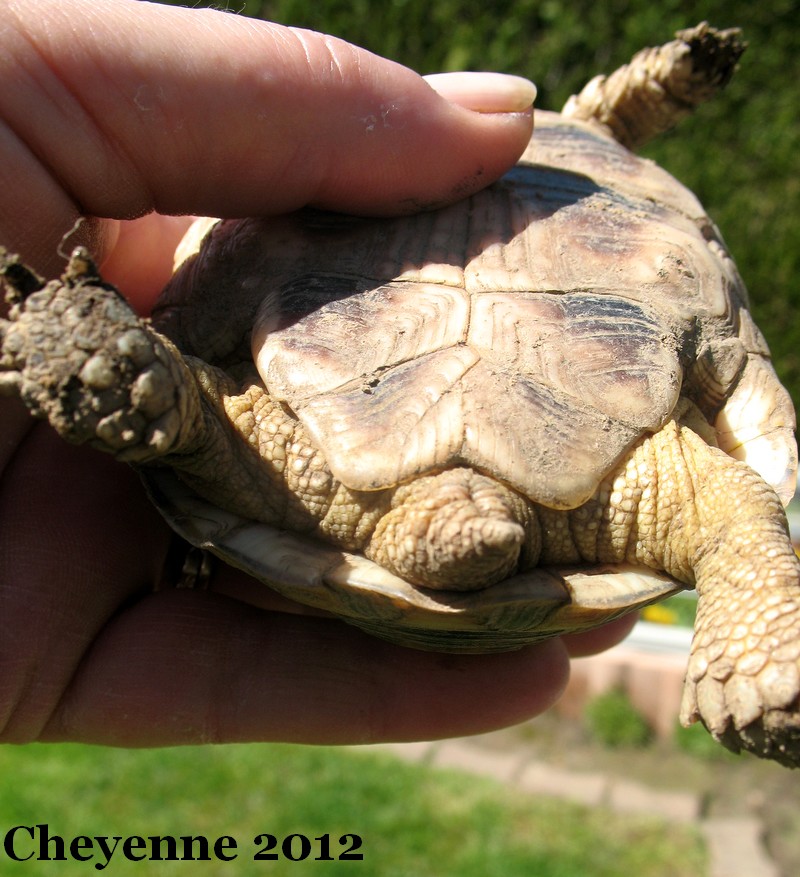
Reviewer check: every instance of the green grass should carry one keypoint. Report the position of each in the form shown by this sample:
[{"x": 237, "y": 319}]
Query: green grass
[
  {"x": 413, "y": 820},
  {"x": 679, "y": 610},
  {"x": 615, "y": 722},
  {"x": 696, "y": 741}
]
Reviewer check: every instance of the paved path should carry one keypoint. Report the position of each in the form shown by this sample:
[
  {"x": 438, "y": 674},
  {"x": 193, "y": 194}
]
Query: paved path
[{"x": 735, "y": 846}]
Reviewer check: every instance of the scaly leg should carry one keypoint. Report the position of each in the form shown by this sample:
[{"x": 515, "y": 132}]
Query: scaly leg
[
  {"x": 660, "y": 86},
  {"x": 679, "y": 505}
]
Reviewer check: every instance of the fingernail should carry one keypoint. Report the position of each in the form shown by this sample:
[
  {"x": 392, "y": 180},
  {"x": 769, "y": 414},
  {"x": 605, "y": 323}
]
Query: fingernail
[{"x": 485, "y": 92}]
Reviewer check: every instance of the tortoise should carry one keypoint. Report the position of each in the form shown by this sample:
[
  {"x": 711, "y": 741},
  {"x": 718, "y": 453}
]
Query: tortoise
[{"x": 517, "y": 416}]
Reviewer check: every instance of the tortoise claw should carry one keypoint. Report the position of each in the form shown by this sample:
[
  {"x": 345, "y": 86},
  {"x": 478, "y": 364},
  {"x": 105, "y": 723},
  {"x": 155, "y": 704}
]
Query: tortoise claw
[
  {"x": 20, "y": 280},
  {"x": 750, "y": 702},
  {"x": 81, "y": 268}
]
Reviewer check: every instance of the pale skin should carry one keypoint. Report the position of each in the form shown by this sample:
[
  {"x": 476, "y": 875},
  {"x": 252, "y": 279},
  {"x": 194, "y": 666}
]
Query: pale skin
[{"x": 127, "y": 108}]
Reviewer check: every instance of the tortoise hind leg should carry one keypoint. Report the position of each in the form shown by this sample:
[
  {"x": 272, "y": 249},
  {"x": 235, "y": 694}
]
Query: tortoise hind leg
[
  {"x": 457, "y": 530},
  {"x": 659, "y": 87}
]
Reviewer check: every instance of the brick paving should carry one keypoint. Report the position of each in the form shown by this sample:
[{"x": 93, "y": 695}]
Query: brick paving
[{"x": 735, "y": 846}]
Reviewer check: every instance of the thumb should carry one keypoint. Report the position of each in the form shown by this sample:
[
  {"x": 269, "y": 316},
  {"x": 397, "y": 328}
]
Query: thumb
[{"x": 142, "y": 107}]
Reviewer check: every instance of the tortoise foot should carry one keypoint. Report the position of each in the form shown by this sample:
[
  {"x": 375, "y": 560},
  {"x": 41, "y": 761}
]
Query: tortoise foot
[
  {"x": 775, "y": 734},
  {"x": 76, "y": 354},
  {"x": 745, "y": 687}
]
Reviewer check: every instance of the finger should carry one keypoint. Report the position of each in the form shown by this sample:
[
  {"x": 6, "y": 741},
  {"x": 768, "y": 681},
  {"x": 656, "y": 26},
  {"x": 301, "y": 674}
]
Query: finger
[
  {"x": 17, "y": 423},
  {"x": 79, "y": 540},
  {"x": 186, "y": 667},
  {"x": 141, "y": 256},
  {"x": 144, "y": 107},
  {"x": 580, "y": 645},
  {"x": 180, "y": 666},
  {"x": 233, "y": 583}
]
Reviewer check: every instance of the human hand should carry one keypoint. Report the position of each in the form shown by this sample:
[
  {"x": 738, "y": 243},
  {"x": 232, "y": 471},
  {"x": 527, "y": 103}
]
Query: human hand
[{"x": 115, "y": 109}]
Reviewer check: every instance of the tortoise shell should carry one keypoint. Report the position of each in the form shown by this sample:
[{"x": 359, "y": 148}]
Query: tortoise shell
[{"x": 534, "y": 331}]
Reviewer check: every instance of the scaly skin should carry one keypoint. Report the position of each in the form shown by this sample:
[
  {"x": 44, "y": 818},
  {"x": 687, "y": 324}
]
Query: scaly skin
[
  {"x": 109, "y": 380},
  {"x": 673, "y": 504},
  {"x": 744, "y": 672},
  {"x": 678, "y": 505},
  {"x": 660, "y": 86},
  {"x": 76, "y": 354},
  {"x": 457, "y": 530}
]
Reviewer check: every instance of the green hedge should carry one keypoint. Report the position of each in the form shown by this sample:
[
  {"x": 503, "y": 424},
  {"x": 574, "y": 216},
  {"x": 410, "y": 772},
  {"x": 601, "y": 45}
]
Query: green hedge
[{"x": 739, "y": 154}]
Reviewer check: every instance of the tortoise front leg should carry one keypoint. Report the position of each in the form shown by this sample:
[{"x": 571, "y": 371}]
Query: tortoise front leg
[
  {"x": 77, "y": 355},
  {"x": 706, "y": 519},
  {"x": 743, "y": 679}
]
